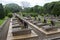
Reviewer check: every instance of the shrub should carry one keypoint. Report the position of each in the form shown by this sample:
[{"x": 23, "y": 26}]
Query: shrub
[
  {"x": 10, "y": 15},
  {"x": 33, "y": 14}
]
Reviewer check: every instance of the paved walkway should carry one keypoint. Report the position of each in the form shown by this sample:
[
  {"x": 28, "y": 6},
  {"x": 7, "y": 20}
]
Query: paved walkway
[{"x": 3, "y": 33}]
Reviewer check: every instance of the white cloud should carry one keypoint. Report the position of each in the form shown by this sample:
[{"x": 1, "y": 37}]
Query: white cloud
[{"x": 32, "y": 2}]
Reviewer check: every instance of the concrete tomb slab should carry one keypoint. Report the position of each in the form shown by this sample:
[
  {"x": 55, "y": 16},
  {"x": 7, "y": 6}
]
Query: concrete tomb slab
[
  {"x": 13, "y": 23},
  {"x": 14, "y": 18},
  {"x": 19, "y": 31},
  {"x": 49, "y": 28},
  {"x": 27, "y": 18},
  {"x": 41, "y": 24},
  {"x": 34, "y": 22},
  {"x": 16, "y": 25}
]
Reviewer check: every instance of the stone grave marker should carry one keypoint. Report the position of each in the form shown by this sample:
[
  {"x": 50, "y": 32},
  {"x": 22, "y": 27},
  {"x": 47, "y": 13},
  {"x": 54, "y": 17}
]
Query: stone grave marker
[
  {"x": 35, "y": 18},
  {"x": 25, "y": 25},
  {"x": 52, "y": 23},
  {"x": 39, "y": 19},
  {"x": 45, "y": 21}
]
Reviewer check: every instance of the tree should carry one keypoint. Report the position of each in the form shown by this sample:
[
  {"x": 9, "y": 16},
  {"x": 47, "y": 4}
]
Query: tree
[
  {"x": 7, "y": 10},
  {"x": 38, "y": 9},
  {"x": 48, "y": 8},
  {"x": 56, "y": 9},
  {"x": 12, "y": 7},
  {"x": 2, "y": 14},
  {"x": 52, "y": 8}
]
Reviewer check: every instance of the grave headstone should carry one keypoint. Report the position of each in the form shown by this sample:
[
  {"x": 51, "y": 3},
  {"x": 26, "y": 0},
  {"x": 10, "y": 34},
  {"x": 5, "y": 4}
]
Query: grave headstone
[
  {"x": 52, "y": 23},
  {"x": 28, "y": 16},
  {"x": 35, "y": 18},
  {"x": 45, "y": 21},
  {"x": 25, "y": 25},
  {"x": 39, "y": 19},
  {"x": 41, "y": 24}
]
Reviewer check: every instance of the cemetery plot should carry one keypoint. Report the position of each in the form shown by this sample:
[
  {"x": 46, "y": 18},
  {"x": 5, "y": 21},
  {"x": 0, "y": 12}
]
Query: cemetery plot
[
  {"x": 46, "y": 25},
  {"x": 20, "y": 31},
  {"x": 37, "y": 22},
  {"x": 49, "y": 28}
]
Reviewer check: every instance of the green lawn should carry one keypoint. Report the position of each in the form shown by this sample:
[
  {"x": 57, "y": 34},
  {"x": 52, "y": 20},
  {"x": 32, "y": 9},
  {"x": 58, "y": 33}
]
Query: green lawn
[{"x": 2, "y": 20}]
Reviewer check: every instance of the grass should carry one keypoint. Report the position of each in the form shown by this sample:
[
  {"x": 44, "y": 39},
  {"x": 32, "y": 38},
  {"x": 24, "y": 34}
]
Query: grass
[{"x": 2, "y": 20}]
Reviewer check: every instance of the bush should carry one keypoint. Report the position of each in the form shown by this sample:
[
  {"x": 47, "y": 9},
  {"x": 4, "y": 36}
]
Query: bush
[
  {"x": 10, "y": 15},
  {"x": 33, "y": 14}
]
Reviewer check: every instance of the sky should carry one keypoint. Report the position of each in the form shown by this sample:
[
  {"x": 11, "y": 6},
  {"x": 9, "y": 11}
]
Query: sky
[{"x": 32, "y": 2}]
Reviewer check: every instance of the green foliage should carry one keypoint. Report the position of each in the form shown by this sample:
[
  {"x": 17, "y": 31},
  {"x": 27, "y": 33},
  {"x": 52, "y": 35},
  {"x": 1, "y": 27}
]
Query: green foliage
[
  {"x": 33, "y": 14},
  {"x": 7, "y": 10},
  {"x": 24, "y": 14},
  {"x": 52, "y": 8},
  {"x": 49, "y": 21},
  {"x": 2, "y": 14},
  {"x": 1, "y": 21},
  {"x": 12, "y": 7},
  {"x": 56, "y": 9},
  {"x": 38, "y": 9},
  {"x": 10, "y": 15},
  {"x": 30, "y": 14}
]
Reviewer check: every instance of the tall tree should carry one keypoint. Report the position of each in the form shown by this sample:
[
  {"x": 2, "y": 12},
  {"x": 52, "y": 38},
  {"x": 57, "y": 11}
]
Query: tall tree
[
  {"x": 2, "y": 14},
  {"x": 38, "y": 9},
  {"x": 12, "y": 7},
  {"x": 51, "y": 8},
  {"x": 56, "y": 9}
]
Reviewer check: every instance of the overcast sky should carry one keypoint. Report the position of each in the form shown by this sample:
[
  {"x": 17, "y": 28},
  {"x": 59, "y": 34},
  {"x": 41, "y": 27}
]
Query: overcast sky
[{"x": 32, "y": 2}]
